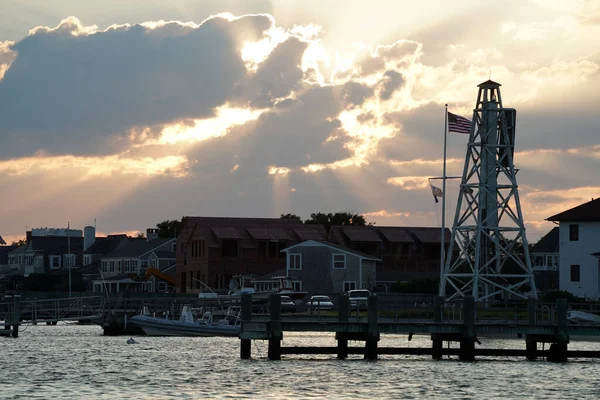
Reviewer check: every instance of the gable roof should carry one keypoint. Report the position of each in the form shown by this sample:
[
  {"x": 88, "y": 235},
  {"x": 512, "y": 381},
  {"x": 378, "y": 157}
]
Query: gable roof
[
  {"x": 105, "y": 245},
  {"x": 164, "y": 254},
  {"x": 318, "y": 243},
  {"x": 138, "y": 247},
  {"x": 586, "y": 212},
  {"x": 547, "y": 244}
]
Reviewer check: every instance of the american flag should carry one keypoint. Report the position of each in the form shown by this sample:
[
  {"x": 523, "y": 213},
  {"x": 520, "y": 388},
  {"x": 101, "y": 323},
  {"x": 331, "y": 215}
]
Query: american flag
[{"x": 458, "y": 124}]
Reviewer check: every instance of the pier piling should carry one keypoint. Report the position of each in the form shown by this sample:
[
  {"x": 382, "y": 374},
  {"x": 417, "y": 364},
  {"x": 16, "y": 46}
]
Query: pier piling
[
  {"x": 343, "y": 316},
  {"x": 467, "y": 342},
  {"x": 275, "y": 335},
  {"x": 372, "y": 329},
  {"x": 246, "y": 348}
]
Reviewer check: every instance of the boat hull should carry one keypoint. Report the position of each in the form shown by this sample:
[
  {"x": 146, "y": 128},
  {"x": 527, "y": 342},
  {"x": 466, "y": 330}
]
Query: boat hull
[{"x": 163, "y": 327}]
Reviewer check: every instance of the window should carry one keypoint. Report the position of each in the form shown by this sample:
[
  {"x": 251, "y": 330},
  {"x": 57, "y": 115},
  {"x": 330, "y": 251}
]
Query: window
[
  {"x": 149, "y": 286},
  {"x": 127, "y": 265},
  {"x": 262, "y": 248},
  {"x": 229, "y": 248},
  {"x": 111, "y": 265},
  {"x": 573, "y": 232},
  {"x": 54, "y": 262},
  {"x": 134, "y": 265},
  {"x": 349, "y": 285},
  {"x": 183, "y": 282},
  {"x": 295, "y": 261},
  {"x": 104, "y": 266},
  {"x": 69, "y": 260},
  {"x": 273, "y": 249},
  {"x": 198, "y": 248},
  {"x": 297, "y": 286},
  {"x": 339, "y": 261},
  {"x": 162, "y": 286},
  {"x": 87, "y": 259},
  {"x": 575, "y": 273},
  {"x": 153, "y": 263},
  {"x": 39, "y": 261},
  {"x": 174, "y": 246}
]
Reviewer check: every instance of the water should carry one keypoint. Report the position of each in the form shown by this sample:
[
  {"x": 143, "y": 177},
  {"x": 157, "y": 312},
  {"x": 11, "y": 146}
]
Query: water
[{"x": 74, "y": 362}]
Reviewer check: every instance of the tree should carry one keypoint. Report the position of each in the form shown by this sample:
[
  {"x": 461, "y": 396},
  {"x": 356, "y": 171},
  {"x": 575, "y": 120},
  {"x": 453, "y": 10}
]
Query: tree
[
  {"x": 344, "y": 218},
  {"x": 290, "y": 216},
  {"x": 19, "y": 242},
  {"x": 169, "y": 228}
]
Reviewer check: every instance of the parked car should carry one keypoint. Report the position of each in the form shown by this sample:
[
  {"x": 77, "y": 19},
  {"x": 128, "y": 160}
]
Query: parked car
[
  {"x": 358, "y": 298},
  {"x": 287, "y": 305},
  {"x": 322, "y": 303}
]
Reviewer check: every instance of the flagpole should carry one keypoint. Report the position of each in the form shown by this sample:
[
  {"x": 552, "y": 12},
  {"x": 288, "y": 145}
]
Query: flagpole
[
  {"x": 443, "y": 242},
  {"x": 69, "y": 255}
]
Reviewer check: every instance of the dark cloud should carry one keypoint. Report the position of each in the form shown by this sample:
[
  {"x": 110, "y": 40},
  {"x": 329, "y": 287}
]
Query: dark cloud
[
  {"x": 276, "y": 76},
  {"x": 290, "y": 136},
  {"x": 355, "y": 94},
  {"x": 67, "y": 93},
  {"x": 391, "y": 81}
]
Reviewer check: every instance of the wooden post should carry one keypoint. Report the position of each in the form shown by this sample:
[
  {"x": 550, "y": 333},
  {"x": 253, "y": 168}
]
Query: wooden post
[
  {"x": 558, "y": 350},
  {"x": 530, "y": 342},
  {"x": 437, "y": 342},
  {"x": 467, "y": 342},
  {"x": 245, "y": 344},
  {"x": 343, "y": 316},
  {"x": 275, "y": 335},
  {"x": 372, "y": 329},
  {"x": 16, "y": 315}
]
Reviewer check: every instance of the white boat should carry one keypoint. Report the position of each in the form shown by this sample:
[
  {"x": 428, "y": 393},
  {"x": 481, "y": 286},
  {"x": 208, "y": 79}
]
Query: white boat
[
  {"x": 583, "y": 317},
  {"x": 187, "y": 325}
]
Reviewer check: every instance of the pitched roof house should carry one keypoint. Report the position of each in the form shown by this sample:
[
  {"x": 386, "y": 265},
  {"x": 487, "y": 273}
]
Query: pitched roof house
[
  {"x": 212, "y": 250},
  {"x": 406, "y": 252},
  {"x": 578, "y": 232}
]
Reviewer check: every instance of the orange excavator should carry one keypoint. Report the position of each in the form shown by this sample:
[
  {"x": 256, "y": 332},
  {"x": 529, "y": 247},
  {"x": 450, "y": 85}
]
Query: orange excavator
[
  {"x": 164, "y": 277},
  {"x": 150, "y": 272}
]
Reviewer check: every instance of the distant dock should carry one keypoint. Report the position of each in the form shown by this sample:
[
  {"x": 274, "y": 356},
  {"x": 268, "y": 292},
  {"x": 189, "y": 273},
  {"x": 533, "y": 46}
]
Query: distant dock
[{"x": 536, "y": 324}]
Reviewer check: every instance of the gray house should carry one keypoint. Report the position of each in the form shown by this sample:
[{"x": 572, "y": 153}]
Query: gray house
[
  {"x": 129, "y": 266},
  {"x": 322, "y": 267}
]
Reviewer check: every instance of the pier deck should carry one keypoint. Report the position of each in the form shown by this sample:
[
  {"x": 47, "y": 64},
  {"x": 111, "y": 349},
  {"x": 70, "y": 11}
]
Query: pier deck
[{"x": 367, "y": 327}]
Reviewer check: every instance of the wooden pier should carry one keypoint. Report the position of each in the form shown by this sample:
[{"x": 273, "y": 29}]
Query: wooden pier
[{"x": 554, "y": 329}]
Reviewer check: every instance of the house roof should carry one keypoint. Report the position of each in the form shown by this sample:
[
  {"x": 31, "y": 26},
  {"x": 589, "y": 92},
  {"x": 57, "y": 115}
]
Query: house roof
[
  {"x": 430, "y": 235},
  {"x": 357, "y": 234},
  {"x": 547, "y": 244},
  {"x": 105, "y": 245},
  {"x": 316, "y": 243},
  {"x": 396, "y": 235},
  {"x": 305, "y": 233},
  {"x": 137, "y": 247},
  {"x": 392, "y": 234},
  {"x": 586, "y": 212},
  {"x": 247, "y": 230}
]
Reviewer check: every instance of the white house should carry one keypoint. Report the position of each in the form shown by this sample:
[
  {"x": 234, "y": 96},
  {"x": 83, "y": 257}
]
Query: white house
[{"x": 579, "y": 238}]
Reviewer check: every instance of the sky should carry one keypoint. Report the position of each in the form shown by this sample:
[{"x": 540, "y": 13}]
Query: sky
[{"x": 125, "y": 114}]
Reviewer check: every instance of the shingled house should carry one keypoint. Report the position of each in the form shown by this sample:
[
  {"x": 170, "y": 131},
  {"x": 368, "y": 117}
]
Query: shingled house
[
  {"x": 212, "y": 250},
  {"x": 579, "y": 267},
  {"x": 407, "y": 253}
]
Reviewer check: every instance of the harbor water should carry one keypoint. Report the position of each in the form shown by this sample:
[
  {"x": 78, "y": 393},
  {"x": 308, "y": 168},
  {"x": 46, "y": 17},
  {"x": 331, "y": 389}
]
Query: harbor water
[{"x": 70, "y": 361}]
